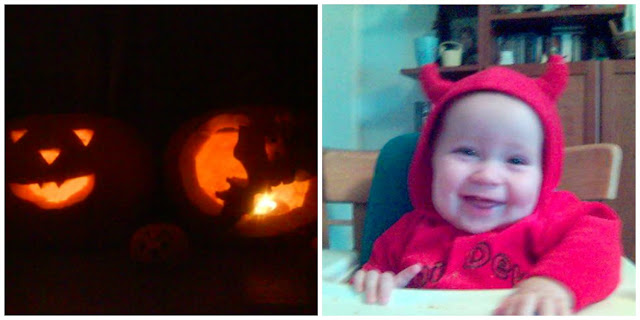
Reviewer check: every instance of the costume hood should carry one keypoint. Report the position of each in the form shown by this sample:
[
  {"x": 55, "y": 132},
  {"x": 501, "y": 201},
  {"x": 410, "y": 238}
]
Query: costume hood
[{"x": 541, "y": 94}]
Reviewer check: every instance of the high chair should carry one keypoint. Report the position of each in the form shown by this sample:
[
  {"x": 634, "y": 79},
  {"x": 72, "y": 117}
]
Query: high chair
[{"x": 376, "y": 184}]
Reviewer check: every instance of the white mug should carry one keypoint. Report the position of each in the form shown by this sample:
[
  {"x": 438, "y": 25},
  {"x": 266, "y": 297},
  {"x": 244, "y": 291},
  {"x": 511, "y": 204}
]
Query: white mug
[{"x": 451, "y": 57}]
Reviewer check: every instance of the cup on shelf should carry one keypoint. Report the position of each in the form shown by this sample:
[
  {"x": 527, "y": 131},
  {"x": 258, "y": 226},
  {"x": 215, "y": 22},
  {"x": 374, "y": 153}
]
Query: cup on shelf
[
  {"x": 450, "y": 54},
  {"x": 425, "y": 49}
]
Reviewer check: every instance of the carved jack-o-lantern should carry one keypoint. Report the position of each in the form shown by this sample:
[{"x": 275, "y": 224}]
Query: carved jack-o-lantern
[
  {"x": 55, "y": 194},
  {"x": 73, "y": 180},
  {"x": 235, "y": 174}
]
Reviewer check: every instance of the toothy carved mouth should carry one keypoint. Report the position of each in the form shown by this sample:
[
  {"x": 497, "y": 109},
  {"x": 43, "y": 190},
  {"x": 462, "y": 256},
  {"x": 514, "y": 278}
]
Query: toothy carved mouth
[{"x": 54, "y": 195}]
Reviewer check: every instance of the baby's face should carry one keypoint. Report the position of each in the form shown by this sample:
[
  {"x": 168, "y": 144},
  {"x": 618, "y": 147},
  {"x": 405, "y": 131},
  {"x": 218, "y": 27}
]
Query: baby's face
[{"x": 487, "y": 162}]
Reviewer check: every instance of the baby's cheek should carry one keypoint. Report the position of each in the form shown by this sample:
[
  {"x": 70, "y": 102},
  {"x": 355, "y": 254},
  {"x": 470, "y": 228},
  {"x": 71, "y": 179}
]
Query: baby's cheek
[
  {"x": 525, "y": 192},
  {"x": 450, "y": 173},
  {"x": 443, "y": 186}
]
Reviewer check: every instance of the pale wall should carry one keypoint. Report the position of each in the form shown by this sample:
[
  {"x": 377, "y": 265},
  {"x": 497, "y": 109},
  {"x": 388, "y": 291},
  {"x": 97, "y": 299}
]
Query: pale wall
[{"x": 365, "y": 99}]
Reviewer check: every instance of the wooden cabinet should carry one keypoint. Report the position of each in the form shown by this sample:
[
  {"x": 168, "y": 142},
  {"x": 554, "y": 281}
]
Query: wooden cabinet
[
  {"x": 578, "y": 106},
  {"x": 617, "y": 125},
  {"x": 599, "y": 106}
]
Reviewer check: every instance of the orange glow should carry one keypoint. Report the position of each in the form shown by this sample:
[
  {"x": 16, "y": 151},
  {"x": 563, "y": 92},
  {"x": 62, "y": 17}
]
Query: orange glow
[
  {"x": 207, "y": 163},
  {"x": 50, "y": 155},
  {"x": 284, "y": 197},
  {"x": 17, "y": 134},
  {"x": 265, "y": 204},
  {"x": 50, "y": 195},
  {"x": 214, "y": 161},
  {"x": 296, "y": 207},
  {"x": 84, "y": 135},
  {"x": 292, "y": 194}
]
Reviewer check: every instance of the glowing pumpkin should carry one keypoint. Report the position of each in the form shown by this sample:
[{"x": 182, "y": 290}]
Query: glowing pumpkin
[
  {"x": 234, "y": 176},
  {"x": 73, "y": 180}
]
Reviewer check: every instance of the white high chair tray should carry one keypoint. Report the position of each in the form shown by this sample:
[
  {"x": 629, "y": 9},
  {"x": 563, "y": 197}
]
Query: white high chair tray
[{"x": 338, "y": 298}]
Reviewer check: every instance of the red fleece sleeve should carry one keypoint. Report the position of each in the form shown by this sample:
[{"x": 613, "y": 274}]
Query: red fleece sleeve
[
  {"x": 388, "y": 248},
  {"x": 587, "y": 255}
]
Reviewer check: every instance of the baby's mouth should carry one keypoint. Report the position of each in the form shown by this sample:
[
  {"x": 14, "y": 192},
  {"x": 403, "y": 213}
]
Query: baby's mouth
[{"x": 482, "y": 203}]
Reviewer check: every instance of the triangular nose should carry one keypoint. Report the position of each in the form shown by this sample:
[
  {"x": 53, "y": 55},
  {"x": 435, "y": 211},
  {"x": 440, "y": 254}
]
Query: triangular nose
[{"x": 50, "y": 155}]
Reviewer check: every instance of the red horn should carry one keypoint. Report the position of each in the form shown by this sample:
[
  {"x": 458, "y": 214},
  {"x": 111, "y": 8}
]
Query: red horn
[
  {"x": 555, "y": 78},
  {"x": 432, "y": 84}
]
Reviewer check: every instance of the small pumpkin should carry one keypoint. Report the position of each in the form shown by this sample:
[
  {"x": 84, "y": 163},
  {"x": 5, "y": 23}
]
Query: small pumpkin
[
  {"x": 73, "y": 180},
  {"x": 222, "y": 165},
  {"x": 159, "y": 244}
]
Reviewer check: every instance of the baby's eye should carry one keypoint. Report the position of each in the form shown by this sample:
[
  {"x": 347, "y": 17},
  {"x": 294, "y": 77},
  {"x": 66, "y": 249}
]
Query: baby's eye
[
  {"x": 517, "y": 161},
  {"x": 466, "y": 151}
]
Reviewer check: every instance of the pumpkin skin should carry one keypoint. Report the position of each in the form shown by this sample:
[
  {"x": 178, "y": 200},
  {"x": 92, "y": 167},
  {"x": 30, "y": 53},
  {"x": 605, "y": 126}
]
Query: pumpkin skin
[
  {"x": 207, "y": 170},
  {"x": 73, "y": 181}
]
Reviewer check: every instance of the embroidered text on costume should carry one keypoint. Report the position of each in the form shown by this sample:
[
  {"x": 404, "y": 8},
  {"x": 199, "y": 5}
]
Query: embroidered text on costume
[
  {"x": 501, "y": 265},
  {"x": 429, "y": 274}
]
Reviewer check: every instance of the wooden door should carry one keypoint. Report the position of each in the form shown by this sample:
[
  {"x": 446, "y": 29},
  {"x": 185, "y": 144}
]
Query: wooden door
[{"x": 618, "y": 126}]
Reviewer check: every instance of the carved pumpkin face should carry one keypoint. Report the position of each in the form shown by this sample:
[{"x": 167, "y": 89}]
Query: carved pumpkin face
[
  {"x": 60, "y": 193},
  {"x": 211, "y": 163},
  {"x": 70, "y": 177},
  {"x": 211, "y": 146}
]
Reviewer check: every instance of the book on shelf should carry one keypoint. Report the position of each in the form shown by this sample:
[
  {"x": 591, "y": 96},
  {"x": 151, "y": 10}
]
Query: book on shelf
[
  {"x": 534, "y": 48},
  {"x": 568, "y": 41},
  {"x": 526, "y": 47},
  {"x": 530, "y": 47}
]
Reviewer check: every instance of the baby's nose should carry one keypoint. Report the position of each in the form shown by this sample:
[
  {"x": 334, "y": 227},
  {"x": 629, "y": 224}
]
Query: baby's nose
[{"x": 487, "y": 173}]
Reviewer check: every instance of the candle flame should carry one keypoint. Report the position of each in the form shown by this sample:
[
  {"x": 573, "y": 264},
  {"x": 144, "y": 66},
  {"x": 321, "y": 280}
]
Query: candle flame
[{"x": 265, "y": 204}]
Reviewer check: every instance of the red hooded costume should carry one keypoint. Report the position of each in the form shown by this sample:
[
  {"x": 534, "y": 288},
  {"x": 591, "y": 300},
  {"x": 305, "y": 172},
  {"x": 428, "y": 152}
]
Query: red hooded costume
[{"x": 574, "y": 242}]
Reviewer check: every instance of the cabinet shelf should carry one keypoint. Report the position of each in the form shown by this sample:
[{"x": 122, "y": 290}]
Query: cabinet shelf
[
  {"x": 455, "y": 72},
  {"x": 558, "y": 17},
  {"x": 492, "y": 25},
  {"x": 562, "y": 14}
]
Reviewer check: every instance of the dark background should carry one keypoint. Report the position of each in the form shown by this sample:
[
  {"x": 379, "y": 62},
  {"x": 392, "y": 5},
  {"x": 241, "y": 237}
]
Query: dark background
[
  {"x": 155, "y": 67},
  {"x": 158, "y": 66}
]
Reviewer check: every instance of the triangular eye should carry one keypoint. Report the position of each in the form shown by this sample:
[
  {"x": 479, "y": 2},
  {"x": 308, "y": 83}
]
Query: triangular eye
[
  {"x": 17, "y": 134},
  {"x": 84, "y": 135}
]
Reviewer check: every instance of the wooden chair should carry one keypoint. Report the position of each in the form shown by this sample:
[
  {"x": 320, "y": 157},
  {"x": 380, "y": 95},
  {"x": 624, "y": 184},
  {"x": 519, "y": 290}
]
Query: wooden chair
[
  {"x": 590, "y": 171},
  {"x": 347, "y": 178}
]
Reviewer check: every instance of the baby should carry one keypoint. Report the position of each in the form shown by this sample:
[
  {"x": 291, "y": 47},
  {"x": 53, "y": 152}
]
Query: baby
[{"x": 487, "y": 213}]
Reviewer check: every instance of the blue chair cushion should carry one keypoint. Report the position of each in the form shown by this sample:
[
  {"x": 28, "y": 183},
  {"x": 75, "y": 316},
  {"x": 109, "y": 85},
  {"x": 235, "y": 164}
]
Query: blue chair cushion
[{"x": 388, "y": 197}]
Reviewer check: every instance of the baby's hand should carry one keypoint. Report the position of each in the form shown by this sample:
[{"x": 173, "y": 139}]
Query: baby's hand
[
  {"x": 377, "y": 287},
  {"x": 537, "y": 296}
]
